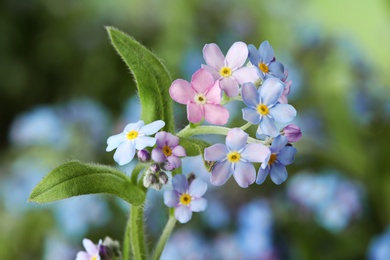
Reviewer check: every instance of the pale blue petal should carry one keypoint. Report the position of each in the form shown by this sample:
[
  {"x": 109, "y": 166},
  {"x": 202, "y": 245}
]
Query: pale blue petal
[
  {"x": 255, "y": 152},
  {"x": 268, "y": 126},
  {"x": 251, "y": 115},
  {"x": 183, "y": 214},
  {"x": 278, "y": 143},
  {"x": 134, "y": 126},
  {"x": 244, "y": 174},
  {"x": 254, "y": 56},
  {"x": 270, "y": 91},
  {"x": 171, "y": 198},
  {"x": 236, "y": 139},
  {"x": 197, "y": 188},
  {"x": 266, "y": 52},
  {"x": 152, "y": 128},
  {"x": 114, "y": 141},
  {"x": 216, "y": 152},
  {"x": 221, "y": 172},
  {"x": 180, "y": 183},
  {"x": 249, "y": 94},
  {"x": 278, "y": 173},
  {"x": 286, "y": 156},
  {"x": 124, "y": 153},
  {"x": 283, "y": 113},
  {"x": 198, "y": 205},
  {"x": 82, "y": 256},
  {"x": 144, "y": 141},
  {"x": 90, "y": 247},
  {"x": 262, "y": 175},
  {"x": 277, "y": 69}
]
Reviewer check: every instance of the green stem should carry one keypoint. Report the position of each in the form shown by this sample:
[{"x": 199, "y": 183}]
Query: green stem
[
  {"x": 137, "y": 232},
  {"x": 126, "y": 241},
  {"x": 164, "y": 237},
  {"x": 246, "y": 126},
  {"x": 134, "y": 174}
]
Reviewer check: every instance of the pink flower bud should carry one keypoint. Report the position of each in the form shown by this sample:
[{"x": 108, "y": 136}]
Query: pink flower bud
[{"x": 292, "y": 133}]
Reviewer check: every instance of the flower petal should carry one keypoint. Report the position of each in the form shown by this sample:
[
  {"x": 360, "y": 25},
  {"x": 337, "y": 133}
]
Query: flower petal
[
  {"x": 158, "y": 155},
  {"x": 213, "y": 95},
  {"x": 152, "y": 128},
  {"x": 268, "y": 127},
  {"x": 194, "y": 112},
  {"x": 255, "y": 152},
  {"x": 278, "y": 144},
  {"x": 266, "y": 52},
  {"x": 249, "y": 114},
  {"x": 220, "y": 173},
  {"x": 202, "y": 80},
  {"x": 174, "y": 161},
  {"x": 216, "y": 152},
  {"x": 253, "y": 55},
  {"x": 277, "y": 69},
  {"x": 179, "y": 151},
  {"x": 215, "y": 114},
  {"x": 161, "y": 139},
  {"x": 82, "y": 256},
  {"x": 198, "y": 205},
  {"x": 278, "y": 173},
  {"x": 180, "y": 183},
  {"x": 144, "y": 141},
  {"x": 114, "y": 141},
  {"x": 134, "y": 126},
  {"x": 270, "y": 91},
  {"x": 213, "y": 56},
  {"x": 172, "y": 140},
  {"x": 197, "y": 188},
  {"x": 245, "y": 74},
  {"x": 181, "y": 91},
  {"x": 286, "y": 156},
  {"x": 237, "y": 55},
  {"x": 124, "y": 153},
  {"x": 244, "y": 174},
  {"x": 262, "y": 175},
  {"x": 236, "y": 139},
  {"x": 171, "y": 198},
  {"x": 212, "y": 70},
  {"x": 250, "y": 95},
  {"x": 183, "y": 214},
  {"x": 283, "y": 113},
  {"x": 230, "y": 86},
  {"x": 90, "y": 247}
]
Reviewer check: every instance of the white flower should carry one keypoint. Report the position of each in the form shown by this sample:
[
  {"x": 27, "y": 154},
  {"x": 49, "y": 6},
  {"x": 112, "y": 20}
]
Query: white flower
[
  {"x": 134, "y": 136},
  {"x": 91, "y": 251}
]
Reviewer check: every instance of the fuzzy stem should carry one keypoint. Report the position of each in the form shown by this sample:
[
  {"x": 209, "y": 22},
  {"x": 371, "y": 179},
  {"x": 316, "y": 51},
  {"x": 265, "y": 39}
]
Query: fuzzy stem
[
  {"x": 126, "y": 241},
  {"x": 164, "y": 237},
  {"x": 137, "y": 232}
]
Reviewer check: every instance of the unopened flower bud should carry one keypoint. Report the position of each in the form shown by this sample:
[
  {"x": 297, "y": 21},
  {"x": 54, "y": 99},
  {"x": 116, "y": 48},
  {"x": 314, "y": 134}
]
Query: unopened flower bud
[
  {"x": 163, "y": 178},
  {"x": 149, "y": 180},
  {"x": 166, "y": 166},
  {"x": 143, "y": 156},
  {"x": 154, "y": 168},
  {"x": 292, "y": 133},
  {"x": 190, "y": 177},
  {"x": 110, "y": 250}
]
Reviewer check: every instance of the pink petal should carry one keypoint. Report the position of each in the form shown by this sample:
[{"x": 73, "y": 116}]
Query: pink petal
[
  {"x": 181, "y": 91},
  {"x": 194, "y": 112},
  {"x": 213, "y": 56},
  {"x": 202, "y": 80},
  {"x": 212, "y": 70},
  {"x": 179, "y": 151},
  {"x": 214, "y": 94},
  {"x": 237, "y": 55},
  {"x": 216, "y": 114},
  {"x": 161, "y": 139},
  {"x": 245, "y": 74},
  {"x": 230, "y": 86}
]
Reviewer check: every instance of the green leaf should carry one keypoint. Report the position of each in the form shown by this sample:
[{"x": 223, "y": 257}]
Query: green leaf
[
  {"x": 151, "y": 77},
  {"x": 75, "y": 178},
  {"x": 195, "y": 147}
]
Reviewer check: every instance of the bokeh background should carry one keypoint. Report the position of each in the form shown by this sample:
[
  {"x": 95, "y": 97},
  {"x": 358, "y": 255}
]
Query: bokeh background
[{"x": 64, "y": 90}]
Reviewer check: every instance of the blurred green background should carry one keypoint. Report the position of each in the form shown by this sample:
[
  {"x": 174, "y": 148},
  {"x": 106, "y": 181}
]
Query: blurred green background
[{"x": 64, "y": 90}]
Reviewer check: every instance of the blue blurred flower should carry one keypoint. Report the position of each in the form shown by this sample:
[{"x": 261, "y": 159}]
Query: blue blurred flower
[{"x": 379, "y": 248}]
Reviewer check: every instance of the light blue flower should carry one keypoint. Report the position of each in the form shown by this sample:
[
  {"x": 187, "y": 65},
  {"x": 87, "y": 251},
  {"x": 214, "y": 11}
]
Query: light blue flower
[
  {"x": 264, "y": 60},
  {"x": 264, "y": 108},
  {"x": 281, "y": 155},
  {"x": 235, "y": 158},
  {"x": 186, "y": 198},
  {"x": 134, "y": 136},
  {"x": 380, "y": 247}
]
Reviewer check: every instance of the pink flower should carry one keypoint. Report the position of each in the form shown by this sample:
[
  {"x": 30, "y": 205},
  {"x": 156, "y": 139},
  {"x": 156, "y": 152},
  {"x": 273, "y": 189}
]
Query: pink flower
[
  {"x": 202, "y": 97},
  {"x": 229, "y": 71}
]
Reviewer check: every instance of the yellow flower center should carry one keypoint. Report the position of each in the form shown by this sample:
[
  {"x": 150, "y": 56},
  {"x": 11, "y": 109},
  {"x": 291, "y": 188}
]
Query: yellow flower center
[
  {"x": 225, "y": 72},
  {"x": 94, "y": 258},
  {"x": 200, "y": 99},
  {"x": 132, "y": 135},
  {"x": 263, "y": 67},
  {"x": 185, "y": 199},
  {"x": 272, "y": 159},
  {"x": 262, "y": 109},
  {"x": 233, "y": 157},
  {"x": 167, "y": 150}
]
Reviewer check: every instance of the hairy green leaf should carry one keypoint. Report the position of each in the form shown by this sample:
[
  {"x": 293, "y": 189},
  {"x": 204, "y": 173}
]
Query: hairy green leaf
[
  {"x": 75, "y": 178},
  {"x": 151, "y": 76}
]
